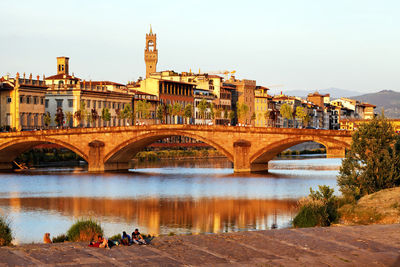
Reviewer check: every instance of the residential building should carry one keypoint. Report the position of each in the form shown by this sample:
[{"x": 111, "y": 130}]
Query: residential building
[
  {"x": 262, "y": 106},
  {"x": 203, "y": 115},
  {"x": 83, "y": 103},
  {"x": 22, "y": 102}
]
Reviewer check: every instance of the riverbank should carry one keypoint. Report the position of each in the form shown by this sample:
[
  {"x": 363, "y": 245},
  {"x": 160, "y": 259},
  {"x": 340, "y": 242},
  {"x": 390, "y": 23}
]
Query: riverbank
[{"x": 373, "y": 245}]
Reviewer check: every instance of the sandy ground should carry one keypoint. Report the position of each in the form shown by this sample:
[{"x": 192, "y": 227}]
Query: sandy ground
[{"x": 373, "y": 245}]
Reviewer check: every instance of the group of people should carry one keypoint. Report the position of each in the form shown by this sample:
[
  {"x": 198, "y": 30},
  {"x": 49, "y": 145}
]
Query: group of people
[{"x": 125, "y": 240}]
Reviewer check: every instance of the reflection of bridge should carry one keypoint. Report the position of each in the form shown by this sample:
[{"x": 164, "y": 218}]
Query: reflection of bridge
[{"x": 112, "y": 148}]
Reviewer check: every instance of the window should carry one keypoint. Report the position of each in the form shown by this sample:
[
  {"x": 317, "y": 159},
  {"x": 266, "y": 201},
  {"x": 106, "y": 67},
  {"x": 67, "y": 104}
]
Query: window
[
  {"x": 59, "y": 103},
  {"x": 41, "y": 101},
  {"x": 35, "y": 100},
  {"x": 88, "y": 104},
  {"x": 46, "y": 103},
  {"x": 9, "y": 100},
  {"x": 113, "y": 105},
  {"x": 70, "y": 103},
  {"x": 28, "y": 99},
  {"x": 94, "y": 103}
]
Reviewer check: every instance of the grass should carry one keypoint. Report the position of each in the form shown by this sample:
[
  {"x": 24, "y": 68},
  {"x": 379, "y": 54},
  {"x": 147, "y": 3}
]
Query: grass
[
  {"x": 84, "y": 230},
  {"x": 5, "y": 232}
]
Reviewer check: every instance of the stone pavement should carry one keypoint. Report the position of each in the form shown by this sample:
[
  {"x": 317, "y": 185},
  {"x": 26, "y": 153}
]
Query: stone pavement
[{"x": 373, "y": 245}]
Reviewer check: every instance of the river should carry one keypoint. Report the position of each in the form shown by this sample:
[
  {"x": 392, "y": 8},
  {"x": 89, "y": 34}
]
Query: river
[{"x": 182, "y": 197}]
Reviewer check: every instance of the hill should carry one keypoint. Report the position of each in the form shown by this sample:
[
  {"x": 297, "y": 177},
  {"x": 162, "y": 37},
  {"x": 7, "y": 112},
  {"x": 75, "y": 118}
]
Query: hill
[{"x": 387, "y": 99}]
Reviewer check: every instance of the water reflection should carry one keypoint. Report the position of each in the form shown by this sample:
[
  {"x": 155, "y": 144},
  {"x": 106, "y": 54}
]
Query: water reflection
[
  {"x": 159, "y": 199},
  {"x": 159, "y": 216}
]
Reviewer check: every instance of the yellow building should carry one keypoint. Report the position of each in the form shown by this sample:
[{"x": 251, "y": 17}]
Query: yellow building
[
  {"x": 261, "y": 106},
  {"x": 22, "y": 102}
]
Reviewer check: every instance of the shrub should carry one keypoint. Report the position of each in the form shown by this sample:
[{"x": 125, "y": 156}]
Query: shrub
[
  {"x": 5, "y": 232},
  {"x": 318, "y": 209},
  {"x": 116, "y": 237},
  {"x": 84, "y": 230},
  {"x": 60, "y": 238}
]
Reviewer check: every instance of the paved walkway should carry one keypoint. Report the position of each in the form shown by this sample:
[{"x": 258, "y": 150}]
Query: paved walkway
[{"x": 375, "y": 245}]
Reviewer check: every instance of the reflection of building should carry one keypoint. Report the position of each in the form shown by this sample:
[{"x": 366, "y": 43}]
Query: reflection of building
[
  {"x": 204, "y": 215},
  {"x": 72, "y": 94},
  {"x": 22, "y": 102}
]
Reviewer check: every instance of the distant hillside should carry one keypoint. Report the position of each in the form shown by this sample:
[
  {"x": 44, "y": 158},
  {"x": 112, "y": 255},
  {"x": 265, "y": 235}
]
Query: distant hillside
[
  {"x": 334, "y": 92},
  {"x": 387, "y": 99}
]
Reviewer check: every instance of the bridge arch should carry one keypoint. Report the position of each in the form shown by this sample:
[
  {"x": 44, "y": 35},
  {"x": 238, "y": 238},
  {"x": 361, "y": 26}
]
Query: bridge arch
[
  {"x": 127, "y": 149},
  {"x": 270, "y": 151},
  {"x": 12, "y": 149}
]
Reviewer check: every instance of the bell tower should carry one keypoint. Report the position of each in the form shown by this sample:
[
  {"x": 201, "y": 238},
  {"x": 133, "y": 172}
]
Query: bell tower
[
  {"x": 62, "y": 65},
  {"x": 151, "y": 53}
]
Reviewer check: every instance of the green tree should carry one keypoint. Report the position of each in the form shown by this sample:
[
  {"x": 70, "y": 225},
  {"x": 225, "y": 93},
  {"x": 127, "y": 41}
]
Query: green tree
[
  {"x": 47, "y": 119},
  {"x": 202, "y": 106},
  {"x": 127, "y": 113},
  {"x": 242, "y": 110},
  {"x": 218, "y": 113},
  {"x": 373, "y": 161},
  {"x": 232, "y": 115},
  {"x": 105, "y": 114},
  {"x": 93, "y": 116},
  {"x": 301, "y": 114},
  {"x": 226, "y": 113},
  {"x": 286, "y": 112},
  {"x": 69, "y": 117},
  {"x": 143, "y": 109},
  {"x": 80, "y": 114},
  {"x": 176, "y": 110},
  {"x": 188, "y": 112},
  {"x": 253, "y": 116},
  {"x": 160, "y": 113}
]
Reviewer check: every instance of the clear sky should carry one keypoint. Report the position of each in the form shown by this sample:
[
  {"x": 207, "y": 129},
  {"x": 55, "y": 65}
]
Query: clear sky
[{"x": 300, "y": 44}]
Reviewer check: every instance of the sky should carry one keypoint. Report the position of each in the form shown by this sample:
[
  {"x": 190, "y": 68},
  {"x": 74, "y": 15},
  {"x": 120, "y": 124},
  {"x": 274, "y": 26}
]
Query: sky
[{"x": 286, "y": 44}]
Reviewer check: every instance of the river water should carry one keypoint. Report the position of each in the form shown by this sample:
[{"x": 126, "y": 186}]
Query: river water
[{"x": 186, "y": 196}]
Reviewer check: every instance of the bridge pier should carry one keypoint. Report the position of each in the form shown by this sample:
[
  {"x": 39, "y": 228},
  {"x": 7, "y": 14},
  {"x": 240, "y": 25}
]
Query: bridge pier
[
  {"x": 96, "y": 156},
  {"x": 241, "y": 158},
  {"x": 335, "y": 152}
]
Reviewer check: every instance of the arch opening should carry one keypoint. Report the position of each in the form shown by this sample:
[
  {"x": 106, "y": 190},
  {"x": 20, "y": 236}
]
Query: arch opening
[
  {"x": 270, "y": 152},
  {"x": 35, "y": 152},
  {"x": 126, "y": 151}
]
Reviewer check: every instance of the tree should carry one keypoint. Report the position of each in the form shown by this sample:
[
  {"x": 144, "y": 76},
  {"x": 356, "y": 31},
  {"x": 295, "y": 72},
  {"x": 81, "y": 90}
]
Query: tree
[
  {"x": 59, "y": 118},
  {"x": 373, "y": 161},
  {"x": 286, "y": 111},
  {"x": 242, "y": 110},
  {"x": 168, "y": 110},
  {"x": 105, "y": 114},
  {"x": 301, "y": 114},
  {"x": 143, "y": 109},
  {"x": 226, "y": 113},
  {"x": 232, "y": 115},
  {"x": 188, "y": 112},
  {"x": 266, "y": 116},
  {"x": 68, "y": 117},
  {"x": 253, "y": 116},
  {"x": 127, "y": 113},
  {"x": 160, "y": 113},
  {"x": 202, "y": 106},
  {"x": 218, "y": 113},
  {"x": 176, "y": 110},
  {"x": 93, "y": 116},
  {"x": 47, "y": 119},
  {"x": 80, "y": 114}
]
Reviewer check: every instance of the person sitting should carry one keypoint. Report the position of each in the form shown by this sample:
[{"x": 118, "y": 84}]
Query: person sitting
[
  {"x": 46, "y": 238},
  {"x": 126, "y": 239},
  {"x": 137, "y": 238},
  {"x": 101, "y": 242}
]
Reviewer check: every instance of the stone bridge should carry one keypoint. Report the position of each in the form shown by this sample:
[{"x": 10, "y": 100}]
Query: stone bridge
[{"x": 112, "y": 148}]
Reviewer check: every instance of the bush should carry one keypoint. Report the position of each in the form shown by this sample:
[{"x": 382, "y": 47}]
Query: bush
[
  {"x": 116, "y": 237},
  {"x": 5, "y": 232},
  {"x": 318, "y": 209},
  {"x": 84, "y": 230},
  {"x": 60, "y": 238}
]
